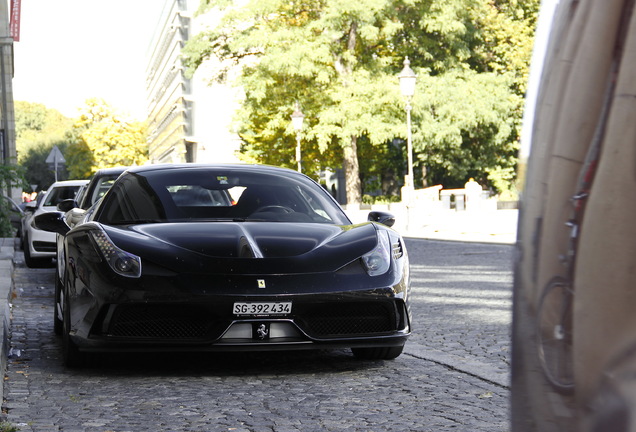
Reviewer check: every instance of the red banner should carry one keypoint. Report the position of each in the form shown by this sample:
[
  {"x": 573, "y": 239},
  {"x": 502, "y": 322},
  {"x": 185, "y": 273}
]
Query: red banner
[{"x": 14, "y": 24}]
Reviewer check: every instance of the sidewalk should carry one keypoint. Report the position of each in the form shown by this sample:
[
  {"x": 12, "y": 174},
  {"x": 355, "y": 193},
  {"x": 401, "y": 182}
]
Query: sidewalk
[
  {"x": 497, "y": 226},
  {"x": 7, "y": 249},
  {"x": 483, "y": 226}
]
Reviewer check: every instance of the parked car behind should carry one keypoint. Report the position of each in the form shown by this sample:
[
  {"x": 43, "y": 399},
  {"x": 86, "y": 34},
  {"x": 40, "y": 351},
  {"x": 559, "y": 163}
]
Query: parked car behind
[
  {"x": 15, "y": 215},
  {"x": 38, "y": 245}
]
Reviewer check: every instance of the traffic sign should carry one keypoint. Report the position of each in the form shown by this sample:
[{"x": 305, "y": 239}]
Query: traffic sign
[{"x": 55, "y": 157}]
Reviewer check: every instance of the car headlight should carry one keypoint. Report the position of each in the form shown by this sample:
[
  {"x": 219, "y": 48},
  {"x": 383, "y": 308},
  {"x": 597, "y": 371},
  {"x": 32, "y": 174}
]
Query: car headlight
[
  {"x": 121, "y": 262},
  {"x": 378, "y": 261}
]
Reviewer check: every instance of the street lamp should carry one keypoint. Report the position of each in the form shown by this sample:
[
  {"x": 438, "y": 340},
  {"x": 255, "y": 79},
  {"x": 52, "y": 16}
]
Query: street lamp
[
  {"x": 297, "y": 118},
  {"x": 407, "y": 86}
]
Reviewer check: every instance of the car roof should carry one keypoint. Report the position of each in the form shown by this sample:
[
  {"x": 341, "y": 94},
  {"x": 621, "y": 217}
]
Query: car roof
[
  {"x": 68, "y": 183},
  {"x": 110, "y": 171},
  {"x": 202, "y": 166}
]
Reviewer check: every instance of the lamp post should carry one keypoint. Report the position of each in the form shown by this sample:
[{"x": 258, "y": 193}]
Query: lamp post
[
  {"x": 407, "y": 86},
  {"x": 297, "y": 118}
]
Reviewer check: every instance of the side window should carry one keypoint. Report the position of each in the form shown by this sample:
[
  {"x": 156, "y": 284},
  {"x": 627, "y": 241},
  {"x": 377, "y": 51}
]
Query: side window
[
  {"x": 316, "y": 207},
  {"x": 101, "y": 188},
  {"x": 131, "y": 202}
]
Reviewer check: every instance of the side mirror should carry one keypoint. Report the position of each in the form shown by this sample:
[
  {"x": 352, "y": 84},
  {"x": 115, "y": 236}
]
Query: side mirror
[
  {"x": 52, "y": 222},
  {"x": 384, "y": 218},
  {"x": 66, "y": 205}
]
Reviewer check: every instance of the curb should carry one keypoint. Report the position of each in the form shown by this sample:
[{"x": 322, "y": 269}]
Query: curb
[{"x": 7, "y": 250}]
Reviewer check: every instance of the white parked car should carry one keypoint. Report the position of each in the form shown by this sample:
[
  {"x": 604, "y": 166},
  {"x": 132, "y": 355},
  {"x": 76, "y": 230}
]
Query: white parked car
[{"x": 39, "y": 246}]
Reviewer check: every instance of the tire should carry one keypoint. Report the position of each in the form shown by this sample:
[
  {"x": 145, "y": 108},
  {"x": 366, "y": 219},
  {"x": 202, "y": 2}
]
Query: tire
[
  {"x": 58, "y": 324},
  {"x": 379, "y": 353},
  {"x": 72, "y": 356},
  {"x": 29, "y": 260},
  {"x": 554, "y": 334}
]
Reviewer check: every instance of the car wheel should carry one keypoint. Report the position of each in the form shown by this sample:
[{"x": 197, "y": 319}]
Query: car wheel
[
  {"x": 58, "y": 324},
  {"x": 71, "y": 354},
  {"x": 29, "y": 260},
  {"x": 379, "y": 353}
]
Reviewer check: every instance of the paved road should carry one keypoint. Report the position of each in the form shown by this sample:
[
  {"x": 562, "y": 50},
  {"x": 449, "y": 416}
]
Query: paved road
[
  {"x": 462, "y": 295},
  {"x": 452, "y": 377}
]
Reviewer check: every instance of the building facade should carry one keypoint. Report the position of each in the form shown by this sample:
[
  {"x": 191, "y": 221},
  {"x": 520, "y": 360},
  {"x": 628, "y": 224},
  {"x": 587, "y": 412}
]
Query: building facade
[
  {"x": 189, "y": 120},
  {"x": 7, "y": 116}
]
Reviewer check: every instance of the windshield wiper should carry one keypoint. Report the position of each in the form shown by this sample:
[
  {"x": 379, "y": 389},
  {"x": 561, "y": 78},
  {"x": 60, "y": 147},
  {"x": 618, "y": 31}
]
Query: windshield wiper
[
  {"x": 185, "y": 220},
  {"x": 138, "y": 221}
]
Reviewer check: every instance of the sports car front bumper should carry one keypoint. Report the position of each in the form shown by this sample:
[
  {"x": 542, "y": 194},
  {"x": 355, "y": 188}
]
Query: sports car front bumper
[{"x": 361, "y": 319}]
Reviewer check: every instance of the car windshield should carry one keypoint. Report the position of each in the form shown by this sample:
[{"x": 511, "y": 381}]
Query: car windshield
[
  {"x": 59, "y": 194},
  {"x": 98, "y": 189},
  {"x": 218, "y": 195}
]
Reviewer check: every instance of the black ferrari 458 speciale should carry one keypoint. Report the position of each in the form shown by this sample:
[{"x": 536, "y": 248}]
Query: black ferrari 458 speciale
[{"x": 226, "y": 257}]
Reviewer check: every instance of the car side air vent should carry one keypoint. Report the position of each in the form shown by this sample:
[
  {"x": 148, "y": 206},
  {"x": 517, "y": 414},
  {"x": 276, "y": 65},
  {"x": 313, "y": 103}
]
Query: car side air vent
[{"x": 397, "y": 250}]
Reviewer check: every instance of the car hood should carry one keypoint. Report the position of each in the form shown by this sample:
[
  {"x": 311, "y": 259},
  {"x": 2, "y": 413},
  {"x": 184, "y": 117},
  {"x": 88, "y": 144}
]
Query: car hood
[{"x": 248, "y": 247}]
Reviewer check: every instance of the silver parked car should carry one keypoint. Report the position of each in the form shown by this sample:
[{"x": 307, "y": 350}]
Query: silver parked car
[{"x": 38, "y": 245}]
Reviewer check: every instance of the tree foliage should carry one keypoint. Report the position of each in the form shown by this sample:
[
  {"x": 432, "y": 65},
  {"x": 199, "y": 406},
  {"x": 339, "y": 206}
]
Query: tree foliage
[
  {"x": 37, "y": 172},
  {"x": 37, "y": 125},
  {"x": 98, "y": 138},
  {"x": 340, "y": 61},
  {"x": 10, "y": 176},
  {"x": 102, "y": 138},
  {"x": 38, "y": 130}
]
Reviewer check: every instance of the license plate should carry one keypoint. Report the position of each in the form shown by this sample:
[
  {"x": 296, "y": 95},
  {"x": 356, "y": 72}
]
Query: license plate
[{"x": 262, "y": 308}]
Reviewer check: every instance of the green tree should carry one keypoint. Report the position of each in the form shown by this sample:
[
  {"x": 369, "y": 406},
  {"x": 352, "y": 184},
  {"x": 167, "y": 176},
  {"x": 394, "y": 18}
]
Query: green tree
[
  {"x": 38, "y": 129},
  {"x": 10, "y": 176},
  {"x": 102, "y": 138},
  {"x": 35, "y": 125},
  {"x": 340, "y": 60},
  {"x": 37, "y": 171}
]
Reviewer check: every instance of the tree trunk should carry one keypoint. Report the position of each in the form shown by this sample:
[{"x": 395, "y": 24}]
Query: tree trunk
[
  {"x": 352, "y": 172},
  {"x": 424, "y": 181},
  {"x": 350, "y": 150}
]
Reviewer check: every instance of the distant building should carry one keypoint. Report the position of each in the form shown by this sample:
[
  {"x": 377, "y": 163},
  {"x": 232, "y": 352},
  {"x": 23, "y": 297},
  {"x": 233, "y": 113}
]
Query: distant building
[
  {"x": 188, "y": 120},
  {"x": 7, "y": 116}
]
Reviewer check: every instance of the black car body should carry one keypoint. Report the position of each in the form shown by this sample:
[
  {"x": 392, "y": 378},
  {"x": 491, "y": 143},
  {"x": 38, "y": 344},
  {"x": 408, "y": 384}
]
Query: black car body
[{"x": 228, "y": 257}]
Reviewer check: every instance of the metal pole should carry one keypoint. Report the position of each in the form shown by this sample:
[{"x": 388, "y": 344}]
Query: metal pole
[
  {"x": 409, "y": 146},
  {"x": 409, "y": 150},
  {"x": 297, "y": 118},
  {"x": 298, "y": 152}
]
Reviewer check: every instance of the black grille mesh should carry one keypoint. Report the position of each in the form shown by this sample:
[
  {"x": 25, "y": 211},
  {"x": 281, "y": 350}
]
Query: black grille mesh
[
  {"x": 187, "y": 322},
  {"x": 41, "y": 246},
  {"x": 350, "y": 319},
  {"x": 159, "y": 322}
]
